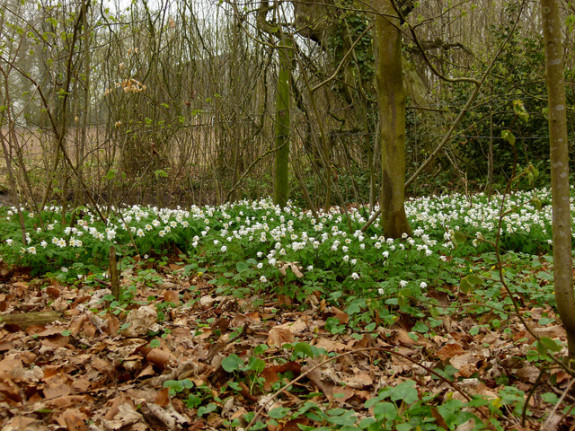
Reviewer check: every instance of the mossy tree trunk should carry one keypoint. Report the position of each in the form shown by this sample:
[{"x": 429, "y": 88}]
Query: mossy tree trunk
[
  {"x": 562, "y": 247},
  {"x": 391, "y": 96},
  {"x": 282, "y": 127}
]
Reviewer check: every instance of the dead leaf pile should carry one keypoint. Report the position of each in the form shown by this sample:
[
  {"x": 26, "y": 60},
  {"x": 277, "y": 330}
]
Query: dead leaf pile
[{"x": 99, "y": 369}]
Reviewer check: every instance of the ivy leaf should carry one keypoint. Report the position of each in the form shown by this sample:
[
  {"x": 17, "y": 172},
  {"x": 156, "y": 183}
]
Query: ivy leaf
[
  {"x": 421, "y": 327},
  {"x": 405, "y": 391},
  {"x": 232, "y": 363},
  {"x": 470, "y": 282},
  {"x": 546, "y": 344},
  {"x": 278, "y": 412},
  {"x": 242, "y": 266},
  {"x": 255, "y": 364},
  {"x": 383, "y": 411},
  {"x": 304, "y": 349},
  {"x": 211, "y": 407}
]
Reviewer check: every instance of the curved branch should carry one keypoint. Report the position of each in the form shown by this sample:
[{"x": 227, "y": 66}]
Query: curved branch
[
  {"x": 424, "y": 54},
  {"x": 339, "y": 66}
]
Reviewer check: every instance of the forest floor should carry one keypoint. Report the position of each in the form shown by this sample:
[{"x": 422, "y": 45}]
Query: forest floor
[{"x": 182, "y": 356}]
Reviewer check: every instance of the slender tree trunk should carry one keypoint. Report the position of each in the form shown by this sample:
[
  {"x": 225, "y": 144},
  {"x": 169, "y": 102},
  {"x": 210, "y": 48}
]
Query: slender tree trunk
[
  {"x": 392, "y": 100},
  {"x": 562, "y": 248},
  {"x": 281, "y": 186}
]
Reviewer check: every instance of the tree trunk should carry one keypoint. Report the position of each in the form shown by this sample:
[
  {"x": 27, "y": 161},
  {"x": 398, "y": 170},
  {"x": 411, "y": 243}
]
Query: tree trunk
[
  {"x": 25, "y": 320},
  {"x": 562, "y": 249},
  {"x": 281, "y": 186},
  {"x": 392, "y": 99}
]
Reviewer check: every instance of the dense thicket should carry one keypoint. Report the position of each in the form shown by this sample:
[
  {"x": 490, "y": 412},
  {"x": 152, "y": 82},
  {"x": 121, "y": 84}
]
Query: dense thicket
[{"x": 175, "y": 102}]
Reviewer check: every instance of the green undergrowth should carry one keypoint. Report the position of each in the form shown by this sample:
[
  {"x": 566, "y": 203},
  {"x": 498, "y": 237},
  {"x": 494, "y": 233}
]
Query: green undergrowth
[{"x": 447, "y": 268}]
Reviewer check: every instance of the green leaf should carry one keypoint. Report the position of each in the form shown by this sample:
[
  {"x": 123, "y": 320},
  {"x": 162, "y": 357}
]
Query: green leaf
[
  {"x": 235, "y": 386},
  {"x": 385, "y": 411},
  {"x": 160, "y": 173},
  {"x": 258, "y": 350},
  {"x": 459, "y": 238},
  {"x": 304, "y": 349},
  {"x": 421, "y": 327},
  {"x": 278, "y": 412},
  {"x": 255, "y": 364},
  {"x": 520, "y": 111},
  {"x": 570, "y": 23},
  {"x": 193, "y": 401},
  {"x": 65, "y": 333},
  {"x": 370, "y": 327},
  {"x": 475, "y": 280},
  {"x": 365, "y": 423},
  {"x": 211, "y": 407},
  {"x": 232, "y": 363},
  {"x": 155, "y": 343},
  {"x": 175, "y": 386},
  {"x": 242, "y": 266},
  {"x": 465, "y": 286},
  {"x": 332, "y": 324},
  {"x": 508, "y": 137},
  {"x": 341, "y": 417},
  {"x": 405, "y": 391},
  {"x": 550, "y": 397},
  {"x": 545, "y": 321},
  {"x": 470, "y": 282},
  {"x": 111, "y": 174},
  {"x": 545, "y": 344}
]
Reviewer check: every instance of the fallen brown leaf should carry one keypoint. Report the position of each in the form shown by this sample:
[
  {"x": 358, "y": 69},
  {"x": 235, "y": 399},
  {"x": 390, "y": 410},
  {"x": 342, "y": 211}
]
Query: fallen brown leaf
[
  {"x": 279, "y": 337},
  {"x": 449, "y": 351}
]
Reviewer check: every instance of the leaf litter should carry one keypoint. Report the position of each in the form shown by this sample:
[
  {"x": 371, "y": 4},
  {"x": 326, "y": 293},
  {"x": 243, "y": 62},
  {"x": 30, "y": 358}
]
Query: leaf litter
[{"x": 216, "y": 361}]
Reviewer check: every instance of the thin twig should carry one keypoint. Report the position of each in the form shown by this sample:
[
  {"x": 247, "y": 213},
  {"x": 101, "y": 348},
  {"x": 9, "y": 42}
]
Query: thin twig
[
  {"x": 341, "y": 355},
  {"x": 547, "y": 423}
]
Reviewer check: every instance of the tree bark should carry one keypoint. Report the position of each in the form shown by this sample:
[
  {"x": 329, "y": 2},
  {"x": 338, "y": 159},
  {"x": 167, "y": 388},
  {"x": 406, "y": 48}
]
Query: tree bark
[
  {"x": 281, "y": 189},
  {"x": 392, "y": 102},
  {"x": 562, "y": 247},
  {"x": 25, "y": 320}
]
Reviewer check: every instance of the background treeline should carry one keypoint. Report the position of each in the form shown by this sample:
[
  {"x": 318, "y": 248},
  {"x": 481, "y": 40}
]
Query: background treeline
[{"x": 174, "y": 102}]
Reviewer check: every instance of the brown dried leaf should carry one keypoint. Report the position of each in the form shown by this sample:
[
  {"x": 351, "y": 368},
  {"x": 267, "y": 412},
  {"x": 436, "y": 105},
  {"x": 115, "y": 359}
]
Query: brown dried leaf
[
  {"x": 112, "y": 324},
  {"x": 58, "y": 385},
  {"x": 271, "y": 373},
  {"x": 342, "y": 316},
  {"x": 19, "y": 423},
  {"x": 52, "y": 291},
  {"x": 73, "y": 420},
  {"x": 528, "y": 373},
  {"x": 330, "y": 345},
  {"x": 172, "y": 296},
  {"x": 280, "y": 336},
  {"x": 160, "y": 358},
  {"x": 68, "y": 401},
  {"x": 556, "y": 331},
  {"x": 449, "y": 351},
  {"x": 290, "y": 265},
  {"x": 162, "y": 397},
  {"x": 359, "y": 380}
]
